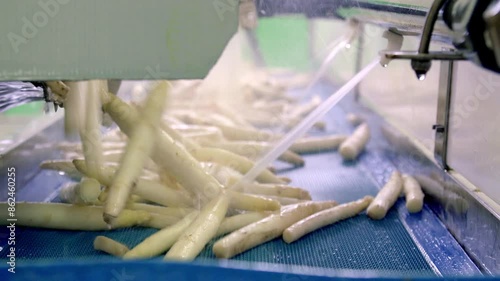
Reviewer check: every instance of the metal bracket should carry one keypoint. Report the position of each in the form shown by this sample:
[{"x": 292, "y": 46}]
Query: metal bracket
[
  {"x": 443, "y": 113},
  {"x": 406, "y": 55},
  {"x": 421, "y": 60}
]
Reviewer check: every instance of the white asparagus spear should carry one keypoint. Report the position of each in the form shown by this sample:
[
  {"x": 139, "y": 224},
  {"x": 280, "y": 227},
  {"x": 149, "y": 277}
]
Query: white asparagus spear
[
  {"x": 104, "y": 177},
  {"x": 63, "y": 166},
  {"x": 284, "y": 201},
  {"x": 234, "y": 116},
  {"x": 185, "y": 87},
  {"x": 204, "y": 137},
  {"x": 90, "y": 133},
  {"x": 299, "y": 111},
  {"x": 431, "y": 187},
  {"x": 167, "y": 211},
  {"x": 59, "y": 89},
  {"x": 187, "y": 129},
  {"x": 158, "y": 193},
  {"x": 229, "y": 132},
  {"x": 276, "y": 106},
  {"x": 266, "y": 229},
  {"x": 205, "y": 114},
  {"x": 187, "y": 116},
  {"x": 85, "y": 192},
  {"x": 324, "y": 218},
  {"x": 168, "y": 155},
  {"x": 386, "y": 197},
  {"x": 160, "y": 216},
  {"x": 189, "y": 144},
  {"x": 218, "y": 119},
  {"x": 272, "y": 190},
  {"x": 133, "y": 198},
  {"x": 170, "y": 182},
  {"x": 139, "y": 147},
  {"x": 250, "y": 202},
  {"x": 285, "y": 180},
  {"x": 236, "y": 222},
  {"x": 238, "y": 163},
  {"x": 291, "y": 157},
  {"x": 110, "y": 246},
  {"x": 279, "y": 190},
  {"x": 200, "y": 231},
  {"x": 413, "y": 194},
  {"x": 235, "y": 133},
  {"x": 146, "y": 189},
  {"x": 262, "y": 119},
  {"x": 74, "y": 108},
  {"x": 297, "y": 81},
  {"x": 162, "y": 240},
  {"x": 354, "y": 119},
  {"x": 272, "y": 169},
  {"x": 89, "y": 190},
  {"x": 115, "y": 156},
  {"x": 67, "y": 194},
  {"x": 160, "y": 221},
  {"x": 222, "y": 173},
  {"x": 266, "y": 90},
  {"x": 302, "y": 110},
  {"x": 145, "y": 174},
  {"x": 319, "y": 125},
  {"x": 253, "y": 150},
  {"x": 114, "y": 136},
  {"x": 77, "y": 147},
  {"x": 447, "y": 198},
  {"x": 70, "y": 217},
  {"x": 316, "y": 144},
  {"x": 185, "y": 169},
  {"x": 355, "y": 144}
]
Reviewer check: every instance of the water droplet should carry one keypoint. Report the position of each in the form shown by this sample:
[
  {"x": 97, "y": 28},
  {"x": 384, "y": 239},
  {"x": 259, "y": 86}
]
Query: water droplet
[
  {"x": 347, "y": 46},
  {"x": 384, "y": 65},
  {"x": 62, "y": 173},
  {"x": 421, "y": 77}
]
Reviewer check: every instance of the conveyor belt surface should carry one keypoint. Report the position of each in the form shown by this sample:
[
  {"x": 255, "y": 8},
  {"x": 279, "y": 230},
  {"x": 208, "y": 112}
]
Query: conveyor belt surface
[{"x": 387, "y": 246}]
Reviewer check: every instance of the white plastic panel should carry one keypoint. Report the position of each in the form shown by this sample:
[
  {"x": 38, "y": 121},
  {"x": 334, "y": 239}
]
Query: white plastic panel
[
  {"x": 474, "y": 142},
  {"x": 122, "y": 39},
  {"x": 395, "y": 93}
]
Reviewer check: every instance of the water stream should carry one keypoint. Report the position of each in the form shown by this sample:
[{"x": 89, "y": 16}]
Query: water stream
[
  {"x": 284, "y": 143},
  {"x": 337, "y": 47}
]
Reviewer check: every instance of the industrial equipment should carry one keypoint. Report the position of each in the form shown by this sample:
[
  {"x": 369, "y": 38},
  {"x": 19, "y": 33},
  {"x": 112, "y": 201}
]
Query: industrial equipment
[{"x": 244, "y": 89}]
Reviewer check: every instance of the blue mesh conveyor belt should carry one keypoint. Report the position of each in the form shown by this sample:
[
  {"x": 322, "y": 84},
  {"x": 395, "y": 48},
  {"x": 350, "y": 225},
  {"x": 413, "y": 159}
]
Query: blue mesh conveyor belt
[{"x": 359, "y": 243}]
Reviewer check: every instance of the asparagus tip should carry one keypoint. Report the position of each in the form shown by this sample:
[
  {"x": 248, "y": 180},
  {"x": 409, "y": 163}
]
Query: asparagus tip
[{"x": 109, "y": 220}]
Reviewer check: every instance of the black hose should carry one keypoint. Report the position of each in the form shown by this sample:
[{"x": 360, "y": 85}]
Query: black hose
[{"x": 430, "y": 21}]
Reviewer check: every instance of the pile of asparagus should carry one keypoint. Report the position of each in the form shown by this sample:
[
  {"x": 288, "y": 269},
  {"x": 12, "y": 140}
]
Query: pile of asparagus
[{"x": 179, "y": 171}]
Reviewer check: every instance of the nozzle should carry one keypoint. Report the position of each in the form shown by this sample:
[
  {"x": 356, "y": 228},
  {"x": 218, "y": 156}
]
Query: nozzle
[
  {"x": 394, "y": 43},
  {"x": 421, "y": 67}
]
